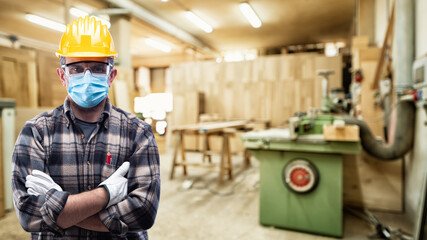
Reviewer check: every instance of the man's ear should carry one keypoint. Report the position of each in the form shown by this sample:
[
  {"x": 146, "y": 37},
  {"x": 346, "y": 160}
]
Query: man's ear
[
  {"x": 61, "y": 75},
  {"x": 113, "y": 75}
]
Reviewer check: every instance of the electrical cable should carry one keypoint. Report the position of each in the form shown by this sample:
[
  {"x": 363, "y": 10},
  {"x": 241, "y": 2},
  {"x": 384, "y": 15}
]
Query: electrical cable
[{"x": 382, "y": 231}]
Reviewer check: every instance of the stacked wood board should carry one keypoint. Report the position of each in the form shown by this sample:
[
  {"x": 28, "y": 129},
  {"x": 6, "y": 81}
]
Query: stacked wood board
[
  {"x": 51, "y": 91},
  {"x": 18, "y": 77},
  {"x": 270, "y": 87},
  {"x": 2, "y": 192}
]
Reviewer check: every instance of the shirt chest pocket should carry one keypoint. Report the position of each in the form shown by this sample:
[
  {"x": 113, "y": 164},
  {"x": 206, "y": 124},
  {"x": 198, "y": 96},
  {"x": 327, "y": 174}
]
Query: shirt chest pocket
[
  {"x": 112, "y": 163},
  {"x": 106, "y": 171}
]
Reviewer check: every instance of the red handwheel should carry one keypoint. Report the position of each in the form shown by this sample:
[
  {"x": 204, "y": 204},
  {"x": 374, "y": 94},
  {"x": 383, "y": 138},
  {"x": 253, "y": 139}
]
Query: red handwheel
[{"x": 300, "y": 176}]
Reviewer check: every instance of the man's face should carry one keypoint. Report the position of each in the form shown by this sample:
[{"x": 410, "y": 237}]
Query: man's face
[
  {"x": 86, "y": 91},
  {"x": 87, "y": 62}
]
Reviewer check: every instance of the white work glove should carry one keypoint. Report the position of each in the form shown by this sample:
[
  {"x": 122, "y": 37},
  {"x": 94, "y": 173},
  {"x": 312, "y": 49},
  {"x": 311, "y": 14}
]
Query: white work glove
[
  {"x": 116, "y": 185},
  {"x": 38, "y": 183}
]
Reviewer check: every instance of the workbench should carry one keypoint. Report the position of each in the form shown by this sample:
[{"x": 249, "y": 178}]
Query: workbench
[{"x": 224, "y": 129}]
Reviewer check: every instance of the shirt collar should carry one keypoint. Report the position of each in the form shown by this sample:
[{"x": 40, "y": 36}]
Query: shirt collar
[{"x": 69, "y": 115}]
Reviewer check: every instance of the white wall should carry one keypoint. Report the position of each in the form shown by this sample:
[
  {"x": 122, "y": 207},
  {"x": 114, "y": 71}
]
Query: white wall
[
  {"x": 415, "y": 168},
  {"x": 382, "y": 7},
  {"x": 420, "y": 28},
  {"x": 416, "y": 165}
]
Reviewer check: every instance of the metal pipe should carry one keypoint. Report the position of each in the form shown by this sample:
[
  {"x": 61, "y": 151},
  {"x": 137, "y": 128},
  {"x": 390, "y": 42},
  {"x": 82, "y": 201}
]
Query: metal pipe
[
  {"x": 401, "y": 138},
  {"x": 404, "y": 38}
]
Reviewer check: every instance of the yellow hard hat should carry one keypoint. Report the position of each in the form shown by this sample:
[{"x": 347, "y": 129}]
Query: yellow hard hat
[{"x": 86, "y": 37}]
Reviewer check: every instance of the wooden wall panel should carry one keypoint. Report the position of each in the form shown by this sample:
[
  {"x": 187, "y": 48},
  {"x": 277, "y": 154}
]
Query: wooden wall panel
[
  {"x": 23, "y": 114},
  {"x": 51, "y": 91},
  {"x": 270, "y": 88},
  {"x": 372, "y": 183},
  {"x": 371, "y": 112},
  {"x": 2, "y": 183},
  {"x": 127, "y": 76},
  {"x": 18, "y": 78}
]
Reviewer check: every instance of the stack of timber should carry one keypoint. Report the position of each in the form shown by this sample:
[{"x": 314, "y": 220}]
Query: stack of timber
[
  {"x": 18, "y": 78},
  {"x": 2, "y": 190},
  {"x": 271, "y": 88},
  {"x": 51, "y": 91}
]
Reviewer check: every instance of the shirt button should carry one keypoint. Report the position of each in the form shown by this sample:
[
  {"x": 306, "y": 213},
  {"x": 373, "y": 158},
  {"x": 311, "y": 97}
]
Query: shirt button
[
  {"x": 88, "y": 163},
  {"x": 89, "y": 187}
]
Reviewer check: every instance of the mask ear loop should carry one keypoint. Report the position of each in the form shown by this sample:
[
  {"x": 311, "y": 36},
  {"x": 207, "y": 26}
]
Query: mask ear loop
[
  {"x": 67, "y": 82},
  {"x": 110, "y": 68}
]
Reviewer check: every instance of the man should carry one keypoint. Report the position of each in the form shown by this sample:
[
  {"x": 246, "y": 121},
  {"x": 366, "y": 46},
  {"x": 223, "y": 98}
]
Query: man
[{"x": 86, "y": 170}]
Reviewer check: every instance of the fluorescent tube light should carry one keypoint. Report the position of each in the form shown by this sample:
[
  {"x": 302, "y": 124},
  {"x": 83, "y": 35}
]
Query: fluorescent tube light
[
  {"x": 158, "y": 45},
  {"x": 198, "y": 22},
  {"x": 77, "y": 12},
  {"x": 45, "y": 22},
  {"x": 250, "y": 14},
  {"x": 80, "y": 13}
]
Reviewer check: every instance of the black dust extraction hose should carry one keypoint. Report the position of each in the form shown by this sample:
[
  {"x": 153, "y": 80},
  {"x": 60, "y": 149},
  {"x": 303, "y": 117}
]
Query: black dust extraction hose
[{"x": 403, "y": 130}]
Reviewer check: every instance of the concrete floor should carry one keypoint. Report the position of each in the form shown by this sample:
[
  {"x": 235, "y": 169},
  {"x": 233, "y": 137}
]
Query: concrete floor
[{"x": 206, "y": 211}]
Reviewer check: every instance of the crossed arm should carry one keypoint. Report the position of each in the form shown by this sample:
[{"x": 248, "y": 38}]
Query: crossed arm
[{"x": 81, "y": 210}]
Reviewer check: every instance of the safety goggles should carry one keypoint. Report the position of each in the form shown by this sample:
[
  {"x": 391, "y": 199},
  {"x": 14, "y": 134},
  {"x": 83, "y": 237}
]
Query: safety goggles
[{"x": 97, "y": 69}]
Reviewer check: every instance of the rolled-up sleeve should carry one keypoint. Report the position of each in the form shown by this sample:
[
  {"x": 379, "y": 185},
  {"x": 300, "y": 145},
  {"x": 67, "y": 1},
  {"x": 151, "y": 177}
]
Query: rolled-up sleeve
[
  {"x": 138, "y": 211},
  {"x": 35, "y": 213}
]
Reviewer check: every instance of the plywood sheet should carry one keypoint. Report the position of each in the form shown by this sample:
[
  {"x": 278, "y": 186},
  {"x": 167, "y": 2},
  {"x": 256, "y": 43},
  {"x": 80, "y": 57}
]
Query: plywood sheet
[
  {"x": 18, "y": 79},
  {"x": 253, "y": 89},
  {"x": 346, "y": 133},
  {"x": 2, "y": 193},
  {"x": 360, "y": 42},
  {"x": 127, "y": 76},
  {"x": 51, "y": 91},
  {"x": 371, "y": 111},
  {"x": 372, "y": 183},
  {"x": 23, "y": 114}
]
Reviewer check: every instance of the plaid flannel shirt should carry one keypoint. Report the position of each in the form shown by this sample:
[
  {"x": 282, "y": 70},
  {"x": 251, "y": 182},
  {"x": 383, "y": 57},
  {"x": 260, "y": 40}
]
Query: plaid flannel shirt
[{"x": 52, "y": 143}]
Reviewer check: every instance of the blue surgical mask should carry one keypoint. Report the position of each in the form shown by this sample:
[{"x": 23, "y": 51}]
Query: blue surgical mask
[{"x": 87, "y": 90}]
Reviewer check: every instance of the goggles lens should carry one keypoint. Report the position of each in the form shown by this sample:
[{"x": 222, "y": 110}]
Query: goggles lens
[{"x": 95, "y": 68}]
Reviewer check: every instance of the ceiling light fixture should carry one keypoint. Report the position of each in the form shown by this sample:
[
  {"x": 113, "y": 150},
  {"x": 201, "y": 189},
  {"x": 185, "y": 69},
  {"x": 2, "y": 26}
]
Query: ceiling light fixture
[
  {"x": 45, "y": 22},
  {"x": 80, "y": 13},
  {"x": 198, "y": 22},
  {"x": 154, "y": 43},
  {"x": 250, "y": 14}
]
